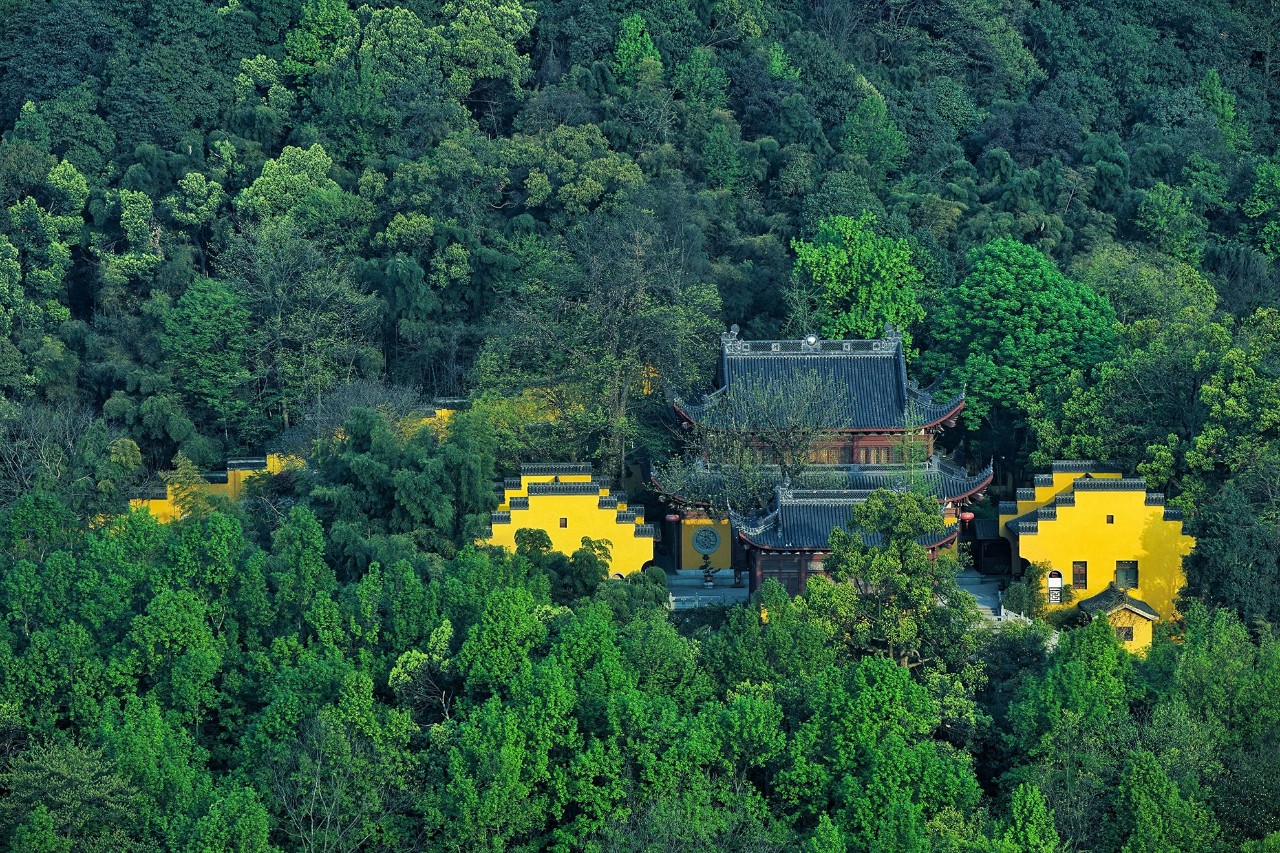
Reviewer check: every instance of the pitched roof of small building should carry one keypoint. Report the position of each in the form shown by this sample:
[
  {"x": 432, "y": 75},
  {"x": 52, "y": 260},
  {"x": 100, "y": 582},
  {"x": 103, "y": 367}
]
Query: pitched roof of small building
[
  {"x": 1112, "y": 599},
  {"x": 869, "y": 377},
  {"x": 803, "y": 519}
]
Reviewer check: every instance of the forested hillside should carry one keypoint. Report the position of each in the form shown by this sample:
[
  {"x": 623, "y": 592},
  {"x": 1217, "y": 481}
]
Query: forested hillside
[{"x": 290, "y": 224}]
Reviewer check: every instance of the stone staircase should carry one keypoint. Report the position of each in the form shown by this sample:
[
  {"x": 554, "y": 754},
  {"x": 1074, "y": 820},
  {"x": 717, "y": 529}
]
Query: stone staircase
[{"x": 985, "y": 590}]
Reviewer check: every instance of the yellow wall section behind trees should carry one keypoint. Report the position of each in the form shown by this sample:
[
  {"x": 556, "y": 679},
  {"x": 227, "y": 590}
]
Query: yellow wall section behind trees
[
  {"x": 584, "y": 516},
  {"x": 166, "y": 509}
]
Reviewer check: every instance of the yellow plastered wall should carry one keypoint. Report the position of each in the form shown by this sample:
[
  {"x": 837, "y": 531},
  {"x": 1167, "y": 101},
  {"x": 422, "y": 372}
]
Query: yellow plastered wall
[
  {"x": 166, "y": 509},
  {"x": 582, "y": 514},
  {"x": 1063, "y": 483},
  {"x": 1142, "y": 630},
  {"x": 721, "y": 558},
  {"x": 1139, "y": 532}
]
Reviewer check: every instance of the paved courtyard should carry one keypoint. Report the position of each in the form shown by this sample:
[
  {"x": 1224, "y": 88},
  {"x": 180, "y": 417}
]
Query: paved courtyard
[{"x": 687, "y": 591}]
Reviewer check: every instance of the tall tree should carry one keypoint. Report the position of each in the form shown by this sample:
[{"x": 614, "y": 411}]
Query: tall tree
[{"x": 853, "y": 282}]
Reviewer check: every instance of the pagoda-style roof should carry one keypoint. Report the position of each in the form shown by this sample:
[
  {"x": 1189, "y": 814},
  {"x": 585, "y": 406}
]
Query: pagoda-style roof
[
  {"x": 869, "y": 378},
  {"x": 803, "y": 519},
  {"x": 1112, "y": 599}
]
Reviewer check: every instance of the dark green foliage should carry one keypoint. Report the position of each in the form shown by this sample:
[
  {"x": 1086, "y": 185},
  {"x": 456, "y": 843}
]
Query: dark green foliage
[{"x": 228, "y": 225}]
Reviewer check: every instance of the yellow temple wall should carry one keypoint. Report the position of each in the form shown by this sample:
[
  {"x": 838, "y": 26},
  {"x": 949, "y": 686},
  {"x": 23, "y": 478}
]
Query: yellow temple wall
[
  {"x": 166, "y": 510},
  {"x": 1143, "y": 630},
  {"x": 1139, "y": 533},
  {"x": 721, "y": 558},
  {"x": 582, "y": 516},
  {"x": 1063, "y": 483}
]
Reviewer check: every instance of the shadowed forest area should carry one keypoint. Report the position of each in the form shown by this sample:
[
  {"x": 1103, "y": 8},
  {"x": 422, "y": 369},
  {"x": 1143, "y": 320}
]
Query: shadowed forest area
[{"x": 228, "y": 226}]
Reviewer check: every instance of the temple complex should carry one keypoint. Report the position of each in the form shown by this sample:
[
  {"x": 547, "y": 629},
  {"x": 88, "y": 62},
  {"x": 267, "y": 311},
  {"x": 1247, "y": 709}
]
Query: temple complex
[{"x": 878, "y": 432}]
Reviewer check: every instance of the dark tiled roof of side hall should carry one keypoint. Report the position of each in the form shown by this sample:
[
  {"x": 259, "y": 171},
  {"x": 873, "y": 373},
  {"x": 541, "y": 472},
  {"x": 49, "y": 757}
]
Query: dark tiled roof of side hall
[
  {"x": 870, "y": 378},
  {"x": 1083, "y": 466},
  {"x": 941, "y": 478},
  {"x": 1112, "y": 599},
  {"x": 986, "y": 528},
  {"x": 802, "y": 520}
]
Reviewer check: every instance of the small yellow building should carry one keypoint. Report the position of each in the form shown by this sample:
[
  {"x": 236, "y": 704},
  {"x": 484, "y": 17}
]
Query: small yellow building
[
  {"x": 1111, "y": 547},
  {"x": 567, "y": 503},
  {"x": 229, "y": 484}
]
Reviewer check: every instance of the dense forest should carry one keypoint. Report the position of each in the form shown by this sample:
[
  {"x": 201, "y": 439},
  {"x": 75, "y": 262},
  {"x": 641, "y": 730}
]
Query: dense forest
[{"x": 228, "y": 226}]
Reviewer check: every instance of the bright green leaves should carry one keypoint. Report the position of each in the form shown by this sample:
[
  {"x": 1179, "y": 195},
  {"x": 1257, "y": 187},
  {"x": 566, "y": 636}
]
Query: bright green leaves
[
  {"x": 1234, "y": 130},
  {"x": 571, "y": 169},
  {"x": 286, "y": 182},
  {"x": 780, "y": 67},
  {"x": 177, "y": 652},
  {"x": 1166, "y": 214},
  {"x": 634, "y": 48},
  {"x": 482, "y": 36},
  {"x": 1016, "y": 323},
  {"x": 314, "y": 40},
  {"x": 1263, "y": 205},
  {"x": 700, "y": 79},
  {"x": 204, "y": 338},
  {"x": 895, "y": 617},
  {"x": 496, "y": 652},
  {"x": 1157, "y": 816},
  {"x": 1030, "y": 826},
  {"x": 858, "y": 281}
]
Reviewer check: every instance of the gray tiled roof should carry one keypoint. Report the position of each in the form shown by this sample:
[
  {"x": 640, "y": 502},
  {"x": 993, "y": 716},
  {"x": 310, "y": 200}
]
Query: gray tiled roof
[
  {"x": 1083, "y": 466},
  {"x": 986, "y": 528},
  {"x": 1110, "y": 484},
  {"x": 803, "y": 519},
  {"x": 1112, "y": 599},
  {"x": 874, "y": 392},
  {"x": 563, "y": 489},
  {"x": 941, "y": 478},
  {"x": 549, "y": 469}
]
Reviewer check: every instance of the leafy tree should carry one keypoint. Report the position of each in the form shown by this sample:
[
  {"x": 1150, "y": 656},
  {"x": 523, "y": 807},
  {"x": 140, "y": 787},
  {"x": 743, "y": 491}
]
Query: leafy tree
[
  {"x": 205, "y": 337},
  {"x": 859, "y": 281},
  {"x": 634, "y": 47},
  {"x": 1030, "y": 825},
  {"x": 313, "y": 41},
  {"x": 69, "y": 797},
  {"x": 1015, "y": 324},
  {"x": 1159, "y": 816},
  {"x": 886, "y": 584}
]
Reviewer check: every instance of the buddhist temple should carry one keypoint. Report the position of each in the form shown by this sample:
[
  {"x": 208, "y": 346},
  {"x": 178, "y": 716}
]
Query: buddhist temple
[{"x": 879, "y": 433}]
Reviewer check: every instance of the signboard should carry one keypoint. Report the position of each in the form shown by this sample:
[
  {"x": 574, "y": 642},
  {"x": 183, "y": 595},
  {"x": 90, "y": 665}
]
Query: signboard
[{"x": 1055, "y": 587}]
